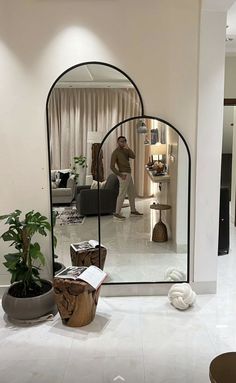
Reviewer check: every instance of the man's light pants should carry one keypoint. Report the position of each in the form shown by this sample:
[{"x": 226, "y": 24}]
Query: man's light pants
[{"x": 126, "y": 188}]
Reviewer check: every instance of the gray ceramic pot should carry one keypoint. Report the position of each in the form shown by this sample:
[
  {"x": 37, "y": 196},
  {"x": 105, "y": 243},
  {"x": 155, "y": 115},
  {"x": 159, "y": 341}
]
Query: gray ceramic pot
[
  {"x": 58, "y": 267},
  {"x": 29, "y": 308}
]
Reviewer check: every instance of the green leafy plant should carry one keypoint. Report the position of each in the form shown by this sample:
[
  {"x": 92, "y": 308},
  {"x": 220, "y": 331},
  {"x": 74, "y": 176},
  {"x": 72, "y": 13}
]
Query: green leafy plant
[
  {"x": 78, "y": 161},
  {"x": 24, "y": 264}
]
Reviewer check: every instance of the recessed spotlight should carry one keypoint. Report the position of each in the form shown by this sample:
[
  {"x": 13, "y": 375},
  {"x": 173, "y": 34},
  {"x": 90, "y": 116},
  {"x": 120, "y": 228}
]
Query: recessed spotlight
[{"x": 229, "y": 39}]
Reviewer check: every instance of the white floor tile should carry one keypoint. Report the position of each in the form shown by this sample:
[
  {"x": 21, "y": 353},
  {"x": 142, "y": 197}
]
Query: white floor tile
[
  {"x": 131, "y": 254},
  {"x": 141, "y": 339}
]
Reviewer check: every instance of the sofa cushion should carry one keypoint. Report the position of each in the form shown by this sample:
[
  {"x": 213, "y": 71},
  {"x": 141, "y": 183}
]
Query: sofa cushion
[
  {"x": 71, "y": 182},
  {"x": 112, "y": 182},
  {"x": 64, "y": 178},
  {"x": 60, "y": 192},
  {"x": 56, "y": 183},
  {"x": 94, "y": 184},
  {"x": 54, "y": 175}
]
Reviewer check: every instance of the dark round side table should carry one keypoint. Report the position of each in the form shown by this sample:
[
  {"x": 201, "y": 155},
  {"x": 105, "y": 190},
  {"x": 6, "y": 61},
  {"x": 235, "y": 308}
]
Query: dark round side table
[
  {"x": 159, "y": 233},
  {"x": 223, "y": 368}
]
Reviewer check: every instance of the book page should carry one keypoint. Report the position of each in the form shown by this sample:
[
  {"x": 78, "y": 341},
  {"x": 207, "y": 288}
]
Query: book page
[
  {"x": 94, "y": 276},
  {"x": 93, "y": 243},
  {"x": 81, "y": 246},
  {"x": 85, "y": 245},
  {"x": 71, "y": 272}
]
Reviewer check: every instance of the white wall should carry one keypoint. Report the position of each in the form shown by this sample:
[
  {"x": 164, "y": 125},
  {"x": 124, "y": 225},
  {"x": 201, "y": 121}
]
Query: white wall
[
  {"x": 171, "y": 187},
  {"x": 230, "y": 92},
  {"x": 233, "y": 174},
  {"x": 209, "y": 145},
  {"x": 40, "y": 39},
  {"x": 230, "y": 77},
  {"x": 182, "y": 198}
]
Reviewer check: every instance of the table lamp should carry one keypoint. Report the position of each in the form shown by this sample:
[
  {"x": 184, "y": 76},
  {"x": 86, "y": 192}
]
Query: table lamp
[{"x": 158, "y": 152}]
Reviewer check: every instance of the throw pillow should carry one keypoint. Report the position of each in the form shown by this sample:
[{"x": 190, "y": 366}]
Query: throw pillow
[
  {"x": 54, "y": 175},
  {"x": 102, "y": 184},
  {"x": 64, "y": 177},
  {"x": 55, "y": 184},
  {"x": 94, "y": 184}
]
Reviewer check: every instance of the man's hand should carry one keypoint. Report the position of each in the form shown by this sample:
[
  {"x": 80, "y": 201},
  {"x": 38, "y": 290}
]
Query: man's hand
[{"x": 123, "y": 176}]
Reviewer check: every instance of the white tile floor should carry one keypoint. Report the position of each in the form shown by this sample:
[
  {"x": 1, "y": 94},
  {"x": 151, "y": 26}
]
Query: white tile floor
[
  {"x": 141, "y": 339},
  {"x": 131, "y": 254}
]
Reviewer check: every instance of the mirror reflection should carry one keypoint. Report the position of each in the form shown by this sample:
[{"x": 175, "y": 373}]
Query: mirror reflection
[
  {"x": 143, "y": 174},
  {"x": 83, "y": 106},
  {"x": 147, "y": 237}
]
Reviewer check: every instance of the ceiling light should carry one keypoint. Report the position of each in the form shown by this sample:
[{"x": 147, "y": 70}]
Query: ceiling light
[{"x": 229, "y": 39}]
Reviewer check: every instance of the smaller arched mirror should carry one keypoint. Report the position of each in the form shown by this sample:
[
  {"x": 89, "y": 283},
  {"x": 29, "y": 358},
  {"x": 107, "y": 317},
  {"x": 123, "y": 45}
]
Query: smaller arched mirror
[{"x": 152, "y": 247}]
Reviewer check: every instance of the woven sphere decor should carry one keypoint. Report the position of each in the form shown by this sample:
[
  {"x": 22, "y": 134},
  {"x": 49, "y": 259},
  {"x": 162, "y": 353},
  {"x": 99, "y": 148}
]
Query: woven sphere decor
[
  {"x": 173, "y": 274},
  {"x": 181, "y": 296}
]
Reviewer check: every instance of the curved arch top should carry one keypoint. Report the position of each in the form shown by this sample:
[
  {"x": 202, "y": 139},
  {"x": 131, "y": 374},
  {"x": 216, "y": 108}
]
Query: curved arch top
[
  {"x": 146, "y": 116},
  {"x": 97, "y": 63}
]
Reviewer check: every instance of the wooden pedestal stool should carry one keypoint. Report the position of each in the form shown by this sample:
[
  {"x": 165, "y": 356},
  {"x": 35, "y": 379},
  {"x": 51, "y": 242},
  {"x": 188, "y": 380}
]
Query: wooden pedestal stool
[
  {"x": 88, "y": 257},
  {"x": 223, "y": 368},
  {"x": 159, "y": 233},
  {"x": 76, "y": 301}
]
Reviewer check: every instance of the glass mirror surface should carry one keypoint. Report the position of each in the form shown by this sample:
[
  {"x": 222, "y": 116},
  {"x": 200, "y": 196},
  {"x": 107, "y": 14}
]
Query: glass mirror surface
[
  {"x": 152, "y": 247},
  {"x": 84, "y": 104}
]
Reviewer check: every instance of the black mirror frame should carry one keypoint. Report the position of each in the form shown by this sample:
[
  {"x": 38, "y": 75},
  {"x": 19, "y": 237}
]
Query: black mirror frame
[
  {"x": 48, "y": 138},
  {"x": 143, "y": 116}
]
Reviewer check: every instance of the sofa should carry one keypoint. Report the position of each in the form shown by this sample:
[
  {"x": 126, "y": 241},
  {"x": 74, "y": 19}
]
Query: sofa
[
  {"x": 86, "y": 201},
  {"x": 63, "y": 186}
]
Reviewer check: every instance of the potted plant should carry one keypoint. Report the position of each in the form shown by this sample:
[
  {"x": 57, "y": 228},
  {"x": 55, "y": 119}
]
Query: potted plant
[
  {"x": 29, "y": 296},
  {"x": 78, "y": 169}
]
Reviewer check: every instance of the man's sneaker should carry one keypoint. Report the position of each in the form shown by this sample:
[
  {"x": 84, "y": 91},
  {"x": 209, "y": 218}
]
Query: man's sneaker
[
  {"x": 136, "y": 212},
  {"x": 119, "y": 216}
]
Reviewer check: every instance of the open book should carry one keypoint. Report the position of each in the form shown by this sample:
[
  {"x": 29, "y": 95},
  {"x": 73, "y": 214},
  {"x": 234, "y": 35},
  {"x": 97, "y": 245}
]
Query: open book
[
  {"x": 92, "y": 275},
  {"x": 85, "y": 245}
]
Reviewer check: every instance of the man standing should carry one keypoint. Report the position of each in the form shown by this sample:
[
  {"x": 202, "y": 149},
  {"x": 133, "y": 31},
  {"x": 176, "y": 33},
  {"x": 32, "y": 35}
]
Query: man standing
[{"x": 121, "y": 167}]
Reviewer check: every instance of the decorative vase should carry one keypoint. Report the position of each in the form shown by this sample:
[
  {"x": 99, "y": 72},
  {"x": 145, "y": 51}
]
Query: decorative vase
[
  {"x": 82, "y": 175},
  {"x": 29, "y": 308}
]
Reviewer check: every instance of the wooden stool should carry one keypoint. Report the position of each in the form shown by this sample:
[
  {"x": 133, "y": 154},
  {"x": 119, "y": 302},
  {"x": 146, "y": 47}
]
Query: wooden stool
[
  {"x": 159, "y": 233},
  {"x": 76, "y": 301},
  {"x": 88, "y": 257},
  {"x": 223, "y": 368}
]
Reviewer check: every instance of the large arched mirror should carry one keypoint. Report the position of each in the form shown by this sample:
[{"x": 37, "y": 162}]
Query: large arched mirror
[
  {"x": 84, "y": 103},
  {"x": 154, "y": 246}
]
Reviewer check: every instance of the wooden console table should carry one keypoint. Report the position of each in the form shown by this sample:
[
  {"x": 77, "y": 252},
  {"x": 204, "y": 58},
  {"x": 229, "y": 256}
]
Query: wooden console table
[
  {"x": 159, "y": 233},
  {"x": 164, "y": 178}
]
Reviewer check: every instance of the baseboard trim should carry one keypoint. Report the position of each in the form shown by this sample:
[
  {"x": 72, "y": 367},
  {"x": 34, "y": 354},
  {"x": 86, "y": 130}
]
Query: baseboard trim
[
  {"x": 204, "y": 287},
  {"x": 153, "y": 289},
  {"x": 145, "y": 290}
]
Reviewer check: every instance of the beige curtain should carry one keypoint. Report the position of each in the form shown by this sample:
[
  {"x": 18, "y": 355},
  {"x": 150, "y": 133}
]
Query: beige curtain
[{"x": 73, "y": 112}]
